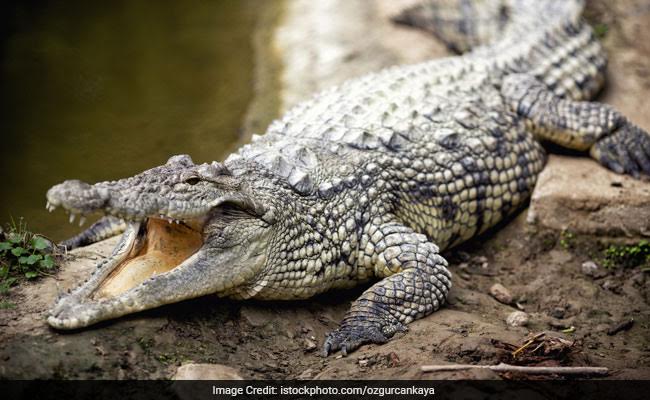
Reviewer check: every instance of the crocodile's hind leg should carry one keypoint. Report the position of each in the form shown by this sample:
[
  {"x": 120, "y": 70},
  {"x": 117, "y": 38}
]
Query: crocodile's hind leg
[
  {"x": 104, "y": 228},
  {"x": 416, "y": 284},
  {"x": 610, "y": 138}
]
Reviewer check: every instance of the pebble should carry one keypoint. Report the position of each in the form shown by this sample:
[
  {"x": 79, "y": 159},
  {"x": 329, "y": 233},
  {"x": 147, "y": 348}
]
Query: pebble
[
  {"x": 309, "y": 345},
  {"x": 205, "y": 372},
  {"x": 212, "y": 372},
  {"x": 482, "y": 262},
  {"x": 517, "y": 318},
  {"x": 593, "y": 270},
  {"x": 499, "y": 292},
  {"x": 612, "y": 286}
]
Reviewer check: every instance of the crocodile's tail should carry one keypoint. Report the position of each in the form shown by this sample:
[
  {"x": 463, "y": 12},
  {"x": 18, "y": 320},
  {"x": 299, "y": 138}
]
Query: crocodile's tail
[
  {"x": 460, "y": 24},
  {"x": 546, "y": 38}
]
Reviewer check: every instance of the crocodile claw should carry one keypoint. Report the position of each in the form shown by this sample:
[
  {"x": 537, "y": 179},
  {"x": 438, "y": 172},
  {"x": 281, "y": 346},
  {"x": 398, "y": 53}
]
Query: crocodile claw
[
  {"x": 627, "y": 151},
  {"x": 350, "y": 337}
]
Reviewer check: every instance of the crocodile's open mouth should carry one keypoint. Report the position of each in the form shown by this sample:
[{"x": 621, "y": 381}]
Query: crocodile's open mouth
[
  {"x": 149, "y": 252},
  {"x": 158, "y": 247}
]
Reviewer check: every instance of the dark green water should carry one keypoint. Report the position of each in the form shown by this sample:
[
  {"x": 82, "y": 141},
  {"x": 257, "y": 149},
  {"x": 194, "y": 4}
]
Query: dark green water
[{"x": 102, "y": 90}]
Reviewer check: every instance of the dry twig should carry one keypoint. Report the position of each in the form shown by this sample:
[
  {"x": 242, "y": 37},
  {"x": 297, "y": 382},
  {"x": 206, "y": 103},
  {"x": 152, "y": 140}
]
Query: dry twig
[
  {"x": 521, "y": 369},
  {"x": 528, "y": 343}
]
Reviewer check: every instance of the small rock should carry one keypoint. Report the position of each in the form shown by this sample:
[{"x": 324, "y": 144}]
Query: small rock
[
  {"x": 309, "y": 345},
  {"x": 210, "y": 372},
  {"x": 499, "y": 292},
  {"x": 482, "y": 262},
  {"x": 593, "y": 270},
  {"x": 612, "y": 286},
  {"x": 517, "y": 318},
  {"x": 191, "y": 372}
]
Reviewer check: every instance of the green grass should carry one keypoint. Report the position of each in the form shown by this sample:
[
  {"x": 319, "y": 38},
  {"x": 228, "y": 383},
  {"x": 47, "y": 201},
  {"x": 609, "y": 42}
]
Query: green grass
[
  {"x": 4, "y": 305},
  {"x": 567, "y": 240},
  {"x": 628, "y": 256},
  {"x": 24, "y": 256}
]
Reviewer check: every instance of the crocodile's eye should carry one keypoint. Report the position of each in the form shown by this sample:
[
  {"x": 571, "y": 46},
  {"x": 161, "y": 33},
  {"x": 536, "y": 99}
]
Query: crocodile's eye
[{"x": 192, "y": 181}]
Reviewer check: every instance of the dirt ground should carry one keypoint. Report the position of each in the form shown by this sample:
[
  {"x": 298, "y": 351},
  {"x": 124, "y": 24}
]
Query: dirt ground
[{"x": 542, "y": 269}]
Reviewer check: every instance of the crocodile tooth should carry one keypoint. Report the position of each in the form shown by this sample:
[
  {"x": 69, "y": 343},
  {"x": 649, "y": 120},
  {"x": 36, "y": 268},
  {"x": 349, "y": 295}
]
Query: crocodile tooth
[
  {"x": 72, "y": 217},
  {"x": 82, "y": 220}
]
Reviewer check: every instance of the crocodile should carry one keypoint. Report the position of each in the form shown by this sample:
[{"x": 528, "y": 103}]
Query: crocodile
[{"x": 365, "y": 182}]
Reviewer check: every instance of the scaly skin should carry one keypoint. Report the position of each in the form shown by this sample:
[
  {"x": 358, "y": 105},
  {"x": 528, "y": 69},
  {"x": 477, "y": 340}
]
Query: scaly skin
[{"x": 372, "y": 178}]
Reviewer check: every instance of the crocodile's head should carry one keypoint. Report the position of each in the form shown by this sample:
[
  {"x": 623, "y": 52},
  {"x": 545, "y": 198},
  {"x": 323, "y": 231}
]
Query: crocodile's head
[{"x": 192, "y": 230}]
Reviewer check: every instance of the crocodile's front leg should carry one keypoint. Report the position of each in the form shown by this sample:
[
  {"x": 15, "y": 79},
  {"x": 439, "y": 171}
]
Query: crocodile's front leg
[
  {"x": 104, "y": 228},
  {"x": 416, "y": 284}
]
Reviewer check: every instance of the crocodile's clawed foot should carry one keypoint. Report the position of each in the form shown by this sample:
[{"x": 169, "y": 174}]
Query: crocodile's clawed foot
[
  {"x": 626, "y": 151},
  {"x": 349, "y": 337}
]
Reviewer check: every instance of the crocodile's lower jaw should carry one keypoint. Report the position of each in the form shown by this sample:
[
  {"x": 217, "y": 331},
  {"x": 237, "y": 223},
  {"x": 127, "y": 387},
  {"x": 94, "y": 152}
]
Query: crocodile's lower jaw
[
  {"x": 149, "y": 250},
  {"x": 159, "y": 247}
]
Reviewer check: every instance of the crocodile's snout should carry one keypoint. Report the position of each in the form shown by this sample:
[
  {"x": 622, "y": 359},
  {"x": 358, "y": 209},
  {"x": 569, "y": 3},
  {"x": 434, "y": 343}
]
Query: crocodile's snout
[{"x": 77, "y": 197}]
